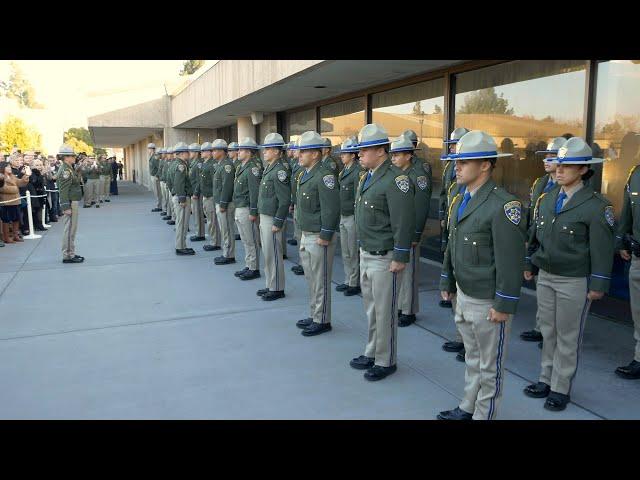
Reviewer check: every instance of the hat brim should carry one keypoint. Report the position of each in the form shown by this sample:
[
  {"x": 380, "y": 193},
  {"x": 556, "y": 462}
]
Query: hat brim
[
  {"x": 403, "y": 149},
  {"x": 350, "y": 150},
  {"x": 479, "y": 157},
  {"x": 546, "y": 151},
  {"x": 272, "y": 145},
  {"x": 451, "y": 141},
  {"x": 377, "y": 144},
  {"x": 575, "y": 162}
]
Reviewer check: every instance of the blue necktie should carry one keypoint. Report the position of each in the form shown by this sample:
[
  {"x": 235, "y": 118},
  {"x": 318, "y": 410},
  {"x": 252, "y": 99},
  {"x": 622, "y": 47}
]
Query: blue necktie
[
  {"x": 549, "y": 186},
  {"x": 560, "y": 201},
  {"x": 463, "y": 204},
  {"x": 366, "y": 180}
]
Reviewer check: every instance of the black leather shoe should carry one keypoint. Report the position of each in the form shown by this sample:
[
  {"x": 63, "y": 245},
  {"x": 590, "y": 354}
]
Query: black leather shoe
[
  {"x": 284, "y": 257},
  {"x": 191, "y": 249},
  {"x": 537, "y": 390},
  {"x": 342, "y": 287},
  {"x": 166, "y": 217},
  {"x": 460, "y": 355},
  {"x": 97, "y": 206},
  {"x": 298, "y": 270},
  {"x": 40, "y": 229},
  {"x": 452, "y": 346},
  {"x": 540, "y": 345},
  {"x": 250, "y": 275},
  {"x": 351, "y": 291},
  {"x": 556, "y": 402},
  {"x": 53, "y": 219},
  {"x": 156, "y": 210},
  {"x": 73, "y": 260},
  {"x": 210, "y": 248},
  {"x": 531, "y": 336},
  {"x": 406, "y": 320},
  {"x": 262, "y": 291},
  {"x": 100, "y": 201},
  {"x": 292, "y": 241},
  {"x": 378, "y": 372},
  {"x": 362, "y": 362},
  {"x": 273, "y": 295},
  {"x": 78, "y": 256},
  {"x": 455, "y": 414},
  {"x": 107, "y": 200},
  {"x": 238, "y": 237},
  {"x": 184, "y": 251},
  {"x": 87, "y": 206},
  {"x": 630, "y": 372},
  {"x": 446, "y": 304},
  {"x": 316, "y": 329},
  {"x": 171, "y": 222},
  {"x": 241, "y": 272},
  {"x": 163, "y": 214},
  {"x": 304, "y": 323},
  {"x": 224, "y": 260},
  {"x": 196, "y": 238}
]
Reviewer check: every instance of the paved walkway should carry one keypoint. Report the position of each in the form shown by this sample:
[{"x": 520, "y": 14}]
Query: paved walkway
[{"x": 137, "y": 332}]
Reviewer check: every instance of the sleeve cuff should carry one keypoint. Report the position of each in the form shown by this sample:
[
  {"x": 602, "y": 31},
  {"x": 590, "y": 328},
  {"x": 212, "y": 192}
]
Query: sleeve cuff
[
  {"x": 505, "y": 303},
  {"x": 401, "y": 254},
  {"x": 599, "y": 283},
  {"x": 326, "y": 234},
  {"x": 278, "y": 222}
]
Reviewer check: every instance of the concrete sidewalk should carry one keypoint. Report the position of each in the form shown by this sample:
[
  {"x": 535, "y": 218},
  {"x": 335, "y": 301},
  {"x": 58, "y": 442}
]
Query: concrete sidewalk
[{"x": 137, "y": 332}]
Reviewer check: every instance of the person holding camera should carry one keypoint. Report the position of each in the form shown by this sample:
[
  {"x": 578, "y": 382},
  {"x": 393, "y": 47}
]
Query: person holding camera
[{"x": 10, "y": 196}]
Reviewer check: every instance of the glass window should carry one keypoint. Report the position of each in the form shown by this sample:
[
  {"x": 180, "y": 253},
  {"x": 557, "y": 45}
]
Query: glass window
[
  {"x": 300, "y": 122},
  {"x": 617, "y": 124},
  {"x": 522, "y": 104},
  {"x": 341, "y": 120}
]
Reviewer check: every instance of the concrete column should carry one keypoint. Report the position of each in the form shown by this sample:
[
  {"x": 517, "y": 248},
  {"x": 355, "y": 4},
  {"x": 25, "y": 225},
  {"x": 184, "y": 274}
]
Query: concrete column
[{"x": 246, "y": 128}]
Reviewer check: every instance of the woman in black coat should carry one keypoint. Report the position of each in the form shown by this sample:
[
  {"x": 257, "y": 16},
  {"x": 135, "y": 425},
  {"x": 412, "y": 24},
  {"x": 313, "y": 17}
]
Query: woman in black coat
[
  {"x": 37, "y": 187},
  {"x": 113, "y": 188}
]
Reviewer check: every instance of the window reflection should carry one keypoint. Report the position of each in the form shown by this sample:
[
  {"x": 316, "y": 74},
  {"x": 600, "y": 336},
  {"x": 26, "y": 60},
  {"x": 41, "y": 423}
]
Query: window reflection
[
  {"x": 341, "y": 120},
  {"x": 300, "y": 122}
]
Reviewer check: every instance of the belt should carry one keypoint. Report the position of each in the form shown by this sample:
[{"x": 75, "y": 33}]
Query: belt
[{"x": 378, "y": 252}]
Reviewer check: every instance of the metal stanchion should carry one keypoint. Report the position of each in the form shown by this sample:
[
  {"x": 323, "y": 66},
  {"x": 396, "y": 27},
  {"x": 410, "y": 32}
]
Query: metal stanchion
[
  {"x": 31, "y": 235},
  {"x": 44, "y": 217}
]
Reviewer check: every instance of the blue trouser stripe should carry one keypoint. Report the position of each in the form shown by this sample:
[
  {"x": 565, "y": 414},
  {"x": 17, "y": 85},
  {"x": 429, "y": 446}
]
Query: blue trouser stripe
[
  {"x": 275, "y": 256},
  {"x": 583, "y": 318},
  {"x": 324, "y": 284},
  {"x": 394, "y": 313},
  {"x": 492, "y": 403}
]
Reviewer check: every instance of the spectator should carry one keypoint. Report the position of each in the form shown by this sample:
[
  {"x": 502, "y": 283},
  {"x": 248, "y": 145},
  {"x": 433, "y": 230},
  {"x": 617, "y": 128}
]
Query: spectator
[
  {"x": 37, "y": 189},
  {"x": 114, "y": 176},
  {"x": 120, "y": 167},
  {"x": 18, "y": 169},
  {"x": 10, "y": 194},
  {"x": 52, "y": 175}
]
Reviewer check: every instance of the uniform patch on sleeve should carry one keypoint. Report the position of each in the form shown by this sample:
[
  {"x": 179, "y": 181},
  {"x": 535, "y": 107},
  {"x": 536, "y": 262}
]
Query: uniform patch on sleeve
[
  {"x": 402, "y": 182},
  {"x": 422, "y": 182},
  {"x": 228, "y": 168},
  {"x": 329, "y": 181},
  {"x": 282, "y": 176},
  {"x": 181, "y": 167},
  {"x": 66, "y": 174},
  {"x": 608, "y": 215},
  {"x": 255, "y": 171},
  {"x": 513, "y": 211}
]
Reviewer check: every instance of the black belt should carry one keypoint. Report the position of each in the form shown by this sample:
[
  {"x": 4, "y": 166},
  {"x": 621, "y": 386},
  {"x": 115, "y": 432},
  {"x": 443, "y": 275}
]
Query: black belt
[{"x": 378, "y": 252}]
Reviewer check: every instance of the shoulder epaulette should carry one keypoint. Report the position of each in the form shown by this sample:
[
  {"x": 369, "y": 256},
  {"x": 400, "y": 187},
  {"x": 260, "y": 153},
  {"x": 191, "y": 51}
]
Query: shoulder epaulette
[
  {"x": 631, "y": 172},
  {"x": 535, "y": 210},
  {"x": 533, "y": 187},
  {"x": 450, "y": 207}
]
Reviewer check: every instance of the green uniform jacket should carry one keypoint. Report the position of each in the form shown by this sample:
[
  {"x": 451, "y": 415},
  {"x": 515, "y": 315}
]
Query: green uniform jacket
[
  {"x": 444, "y": 190},
  {"x": 385, "y": 212},
  {"x": 182, "y": 181},
  {"x": 421, "y": 179},
  {"x": 578, "y": 241},
  {"x": 274, "y": 196},
  {"x": 330, "y": 163},
  {"x": 537, "y": 189},
  {"x": 349, "y": 178},
  {"x": 205, "y": 182},
  {"x": 160, "y": 172},
  {"x": 105, "y": 168},
  {"x": 171, "y": 169},
  {"x": 91, "y": 172},
  {"x": 223, "y": 180},
  {"x": 247, "y": 185},
  {"x": 630, "y": 216},
  {"x": 195, "y": 168},
  {"x": 69, "y": 183},
  {"x": 485, "y": 249},
  {"x": 153, "y": 165},
  {"x": 295, "y": 174},
  {"x": 426, "y": 166},
  {"x": 318, "y": 201}
]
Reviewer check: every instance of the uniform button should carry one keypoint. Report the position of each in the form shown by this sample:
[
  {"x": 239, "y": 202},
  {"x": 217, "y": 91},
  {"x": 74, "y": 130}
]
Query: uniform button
[
  {"x": 564, "y": 228},
  {"x": 571, "y": 232},
  {"x": 473, "y": 242},
  {"x": 541, "y": 223}
]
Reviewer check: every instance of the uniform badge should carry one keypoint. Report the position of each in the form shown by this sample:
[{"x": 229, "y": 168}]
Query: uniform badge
[
  {"x": 181, "y": 167},
  {"x": 66, "y": 174},
  {"x": 513, "y": 211},
  {"x": 608, "y": 215},
  {"x": 329, "y": 181},
  {"x": 422, "y": 182},
  {"x": 282, "y": 175},
  {"x": 402, "y": 183},
  {"x": 255, "y": 171},
  {"x": 228, "y": 168}
]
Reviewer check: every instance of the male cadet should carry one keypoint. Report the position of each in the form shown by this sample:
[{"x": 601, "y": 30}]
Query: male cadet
[
  {"x": 543, "y": 184},
  {"x": 348, "y": 178},
  {"x": 571, "y": 243},
  {"x": 274, "y": 198},
  {"x": 206, "y": 190},
  {"x": 195, "y": 167},
  {"x": 296, "y": 175},
  {"x": 318, "y": 207},
  {"x": 483, "y": 264},
  {"x": 171, "y": 169},
  {"x": 153, "y": 172},
  {"x": 245, "y": 198},
  {"x": 411, "y": 135},
  {"x": 627, "y": 244},
  {"x": 403, "y": 158},
  {"x": 105, "y": 179},
  {"x": 168, "y": 201},
  {"x": 233, "y": 154},
  {"x": 91, "y": 169},
  {"x": 223, "y": 180},
  {"x": 160, "y": 176},
  {"x": 327, "y": 160},
  {"x": 182, "y": 191},
  {"x": 385, "y": 226},
  {"x": 69, "y": 182}
]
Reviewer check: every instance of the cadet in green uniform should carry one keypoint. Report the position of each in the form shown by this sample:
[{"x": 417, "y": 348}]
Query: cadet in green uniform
[
  {"x": 543, "y": 184},
  {"x": 168, "y": 201},
  {"x": 195, "y": 168},
  {"x": 483, "y": 264},
  {"x": 233, "y": 154},
  {"x": 327, "y": 159},
  {"x": 411, "y": 135},
  {"x": 173, "y": 162},
  {"x": 161, "y": 184},
  {"x": 153, "y": 172},
  {"x": 69, "y": 182},
  {"x": 403, "y": 159},
  {"x": 205, "y": 187},
  {"x": 318, "y": 209},
  {"x": 245, "y": 198},
  {"x": 297, "y": 172},
  {"x": 105, "y": 179},
  {"x": 385, "y": 225},
  {"x": 348, "y": 178},
  {"x": 274, "y": 198},
  {"x": 572, "y": 245},
  {"x": 92, "y": 172},
  {"x": 628, "y": 244},
  {"x": 449, "y": 190},
  {"x": 223, "y": 180},
  {"x": 182, "y": 191}
]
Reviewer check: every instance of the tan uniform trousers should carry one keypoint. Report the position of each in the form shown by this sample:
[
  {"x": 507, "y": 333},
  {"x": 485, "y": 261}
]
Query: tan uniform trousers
[
  {"x": 317, "y": 262},
  {"x": 182, "y": 221},
  {"x": 297, "y": 233},
  {"x": 153, "y": 186},
  {"x": 563, "y": 309},
  {"x": 213, "y": 229},
  {"x": 283, "y": 238},
  {"x": 409, "y": 297},
  {"x": 91, "y": 191},
  {"x": 349, "y": 249},
  {"x": 158, "y": 192},
  {"x": 227, "y": 235},
  {"x": 250, "y": 237},
  {"x": 380, "y": 289},
  {"x": 485, "y": 346},
  {"x": 272, "y": 251},
  {"x": 634, "y": 292},
  {"x": 198, "y": 215},
  {"x": 104, "y": 187},
  {"x": 69, "y": 232}
]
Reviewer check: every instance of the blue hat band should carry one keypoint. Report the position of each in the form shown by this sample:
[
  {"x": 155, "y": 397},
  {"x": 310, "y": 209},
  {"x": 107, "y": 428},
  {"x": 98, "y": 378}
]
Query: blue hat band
[
  {"x": 546, "y": 151},
  {"x": 267, "y": 145},
  {"x": 309, "y": 147},
  {"x": 248, "y": 147},
  {"x": 371, "y": 143},
  {"x": 456, "y": 140},
  {"x": 402, "y": 149},
  {"x": 492, "y": 153},
  {"x": 569, "y": 159}
]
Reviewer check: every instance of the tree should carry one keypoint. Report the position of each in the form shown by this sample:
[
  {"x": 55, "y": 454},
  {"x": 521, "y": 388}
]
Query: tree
[
  {"x": 190, "y": 66},
  {"x": 417, "y": 108},
  {"x": 81, "y": 138},
  {"x": 79, "y": 146},
  {"x": 437, "y": 109},
  {"x": 18, "y": 87},
  {"x": 14, "y": 132},
  {"x": 486, "y": 101}
]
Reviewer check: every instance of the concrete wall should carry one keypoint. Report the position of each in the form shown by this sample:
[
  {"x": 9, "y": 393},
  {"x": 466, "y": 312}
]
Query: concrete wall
[{"x": 152, "y": 114}]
